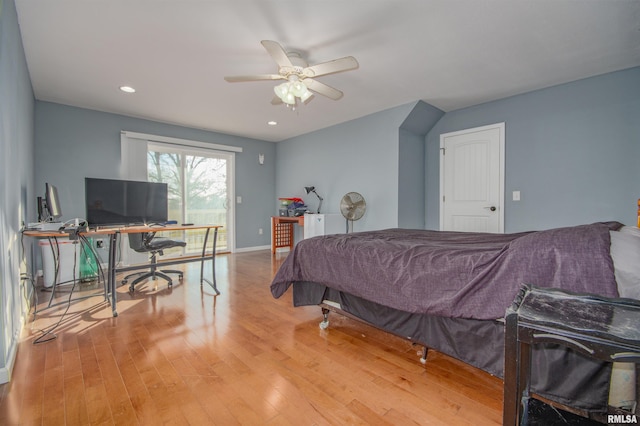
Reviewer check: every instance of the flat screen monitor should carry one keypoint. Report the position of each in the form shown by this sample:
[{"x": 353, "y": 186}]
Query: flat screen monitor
[
  {"x": 125, "y": 202},
  {"x": 49, "y": 209}
]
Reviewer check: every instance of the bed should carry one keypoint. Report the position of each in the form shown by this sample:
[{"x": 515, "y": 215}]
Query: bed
[{"x": 449, "y": 291}]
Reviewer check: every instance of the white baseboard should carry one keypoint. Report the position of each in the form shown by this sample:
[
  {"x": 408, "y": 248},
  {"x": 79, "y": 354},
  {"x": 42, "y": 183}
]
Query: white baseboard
[
  {"x": 12, "y": 344},
  {"x": 5, "y": 371},
  {"x": 4, "y": 375},
  {"x": 257, "y": 248}
]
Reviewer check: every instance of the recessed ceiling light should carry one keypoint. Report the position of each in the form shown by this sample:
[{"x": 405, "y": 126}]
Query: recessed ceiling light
[
  {"x": 272, "y": 123},
  {"x": 127, "y": 89}
]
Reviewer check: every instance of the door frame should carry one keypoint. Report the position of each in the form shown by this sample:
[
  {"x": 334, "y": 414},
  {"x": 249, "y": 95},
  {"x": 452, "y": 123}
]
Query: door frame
[
  {"x": 501, "y": 189},
  {"x": 230, "y": 158},
  {"x": 133, "y": 147}
]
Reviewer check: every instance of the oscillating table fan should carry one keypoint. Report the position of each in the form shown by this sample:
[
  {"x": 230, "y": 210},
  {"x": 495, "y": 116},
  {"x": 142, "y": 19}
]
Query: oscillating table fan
[{"x": 352, "y": 207}]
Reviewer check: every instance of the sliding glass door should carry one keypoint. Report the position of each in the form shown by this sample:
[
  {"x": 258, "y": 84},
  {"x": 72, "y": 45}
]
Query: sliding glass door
[{"x": 200, "y": 189}]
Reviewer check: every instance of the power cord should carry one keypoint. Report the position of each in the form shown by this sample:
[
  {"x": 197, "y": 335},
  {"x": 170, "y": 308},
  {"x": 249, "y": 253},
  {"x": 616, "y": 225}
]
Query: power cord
[
  {"x": 25, "y": 275},
  {"x": 74, "y": 227},
  {"x": 28, "y": 277},
  {"x": 48, "y": 334}
]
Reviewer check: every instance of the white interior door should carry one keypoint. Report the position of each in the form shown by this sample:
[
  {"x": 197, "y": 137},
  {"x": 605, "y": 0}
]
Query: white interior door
[{"x": 472, "y": 179}]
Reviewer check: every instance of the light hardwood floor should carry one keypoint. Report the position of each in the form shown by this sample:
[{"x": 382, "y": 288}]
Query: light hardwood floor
[{"x": 182, "y": 356}]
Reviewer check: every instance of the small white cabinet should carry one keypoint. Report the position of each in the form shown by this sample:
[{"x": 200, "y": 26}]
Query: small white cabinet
[{"x": 323, "y": 224}]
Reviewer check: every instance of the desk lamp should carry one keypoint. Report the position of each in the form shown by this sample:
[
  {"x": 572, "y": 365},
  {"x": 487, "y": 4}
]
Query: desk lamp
[{"x": 311, "y": 189}]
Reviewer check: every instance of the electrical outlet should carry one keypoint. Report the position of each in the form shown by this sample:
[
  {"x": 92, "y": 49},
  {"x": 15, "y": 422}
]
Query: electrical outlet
[
  {"x": 260, "y": 231},
  {"x": 100, "y": 243},
  {"x": 516, "y": 195}
]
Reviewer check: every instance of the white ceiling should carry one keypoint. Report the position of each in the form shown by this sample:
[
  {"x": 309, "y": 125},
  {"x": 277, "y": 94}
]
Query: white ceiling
[{"x": 448, "y": 53}]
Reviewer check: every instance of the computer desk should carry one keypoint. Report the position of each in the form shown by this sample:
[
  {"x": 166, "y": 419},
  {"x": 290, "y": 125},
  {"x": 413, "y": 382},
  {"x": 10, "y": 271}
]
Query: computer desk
[
  {"x": 52, "y": 237},
  {"x": 113, "y": 234}
]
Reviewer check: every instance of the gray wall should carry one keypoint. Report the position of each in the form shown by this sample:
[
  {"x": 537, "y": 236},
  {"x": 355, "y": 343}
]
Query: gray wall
[
  {"x": 411, "y": 154},
  {"x": 411, "y": 180},
  {"x": 572, "y": 150},
  {"x": 360, "y": 155},
  {"x": 73, "y": 143},
  {"x": 16, "y": 185}
]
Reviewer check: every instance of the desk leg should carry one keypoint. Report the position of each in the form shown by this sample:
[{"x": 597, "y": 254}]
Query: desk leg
[
  {"x": 291, "y": 234},
  {"x": 212, "y": 283},
  {"x": 273, "y": 236},
  {"x": 111, "y": 276},
  {"x": 213, "y": 260},
  {"x": 55, "y": 252}
]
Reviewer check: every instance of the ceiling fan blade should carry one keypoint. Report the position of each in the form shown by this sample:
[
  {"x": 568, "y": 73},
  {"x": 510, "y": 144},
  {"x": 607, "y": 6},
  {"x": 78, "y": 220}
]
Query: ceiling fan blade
[
  {"x": 331, "y": 67},
  {"x": 277, "y": 53},
  {"x": 322, "y": 89},
  {"x": 255, "y": 77}
]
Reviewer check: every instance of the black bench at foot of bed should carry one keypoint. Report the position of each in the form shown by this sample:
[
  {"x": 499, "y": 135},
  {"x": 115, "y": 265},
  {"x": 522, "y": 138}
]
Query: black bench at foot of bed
[{"x": 602, "y": 328}]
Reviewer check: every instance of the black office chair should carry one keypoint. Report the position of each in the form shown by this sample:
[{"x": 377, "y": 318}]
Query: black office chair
[{"x": 146, "y": 242}]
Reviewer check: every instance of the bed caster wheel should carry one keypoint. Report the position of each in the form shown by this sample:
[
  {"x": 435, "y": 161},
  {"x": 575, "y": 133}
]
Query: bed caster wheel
[
  {"x": 180, "y": 278},
  {"x": 324, "y": 325},
  {"x": 131, "y": 289},
  {"x": 123, "y": 282},
  {"x": 423, "y": 355},
  {"x": 170, "y": 285}
]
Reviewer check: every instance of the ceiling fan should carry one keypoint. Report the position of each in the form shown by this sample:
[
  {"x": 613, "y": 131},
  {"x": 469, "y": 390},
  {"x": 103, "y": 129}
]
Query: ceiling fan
[{"x": 300, "y": 77}]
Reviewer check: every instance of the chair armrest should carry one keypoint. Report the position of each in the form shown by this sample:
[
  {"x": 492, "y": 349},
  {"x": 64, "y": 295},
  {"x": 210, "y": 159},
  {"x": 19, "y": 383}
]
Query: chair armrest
[{"x": 147, "y": 238}]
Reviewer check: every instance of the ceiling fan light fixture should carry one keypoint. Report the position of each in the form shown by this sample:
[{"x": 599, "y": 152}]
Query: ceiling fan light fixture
[
  {"x": 306, "y": 95},
  {"x": 289, "y": 99},
  {"x": 298, "y": 88},
  {"x": 281, "y": 90},
  {"x": 290, "y": 90}
]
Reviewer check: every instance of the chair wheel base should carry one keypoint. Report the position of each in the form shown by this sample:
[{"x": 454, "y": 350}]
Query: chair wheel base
[{"x": 154, "y": 275}]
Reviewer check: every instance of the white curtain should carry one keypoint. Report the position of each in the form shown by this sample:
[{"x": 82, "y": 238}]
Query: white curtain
[{"x": 133, "y": 157}]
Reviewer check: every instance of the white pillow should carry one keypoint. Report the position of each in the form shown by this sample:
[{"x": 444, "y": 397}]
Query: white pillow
[
  {"x": 625, "y": 252},
  {"x": 632, "y": 230}
]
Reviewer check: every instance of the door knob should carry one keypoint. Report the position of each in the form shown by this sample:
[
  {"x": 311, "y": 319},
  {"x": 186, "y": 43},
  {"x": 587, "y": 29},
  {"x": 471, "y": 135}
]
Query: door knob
[{"x": 492, "y": 208}]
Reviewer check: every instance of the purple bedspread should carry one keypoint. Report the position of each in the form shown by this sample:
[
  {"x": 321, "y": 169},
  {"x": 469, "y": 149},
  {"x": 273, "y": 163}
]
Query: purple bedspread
[{"x": 453, "y": 274}]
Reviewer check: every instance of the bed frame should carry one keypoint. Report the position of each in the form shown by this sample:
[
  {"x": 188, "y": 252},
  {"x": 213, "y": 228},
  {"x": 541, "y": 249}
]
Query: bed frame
[
  {"x": 455, "y": 337},
  {"x": 471, "y": 341}
]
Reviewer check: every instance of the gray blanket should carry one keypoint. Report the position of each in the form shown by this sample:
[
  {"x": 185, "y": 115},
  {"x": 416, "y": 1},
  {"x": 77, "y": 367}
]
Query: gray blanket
[{"x": 453, "y": 274}]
